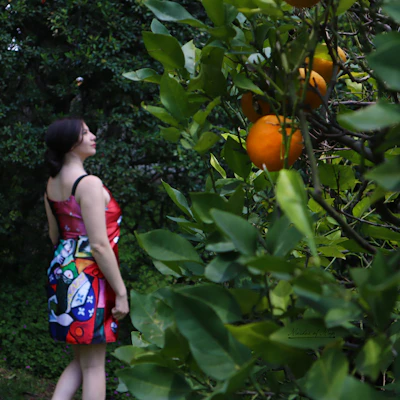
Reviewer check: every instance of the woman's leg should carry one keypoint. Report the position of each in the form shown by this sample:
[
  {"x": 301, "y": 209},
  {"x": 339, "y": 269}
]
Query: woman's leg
[
  {"x": 92, "y": 359},
  {"x": 70, "y": 380}
]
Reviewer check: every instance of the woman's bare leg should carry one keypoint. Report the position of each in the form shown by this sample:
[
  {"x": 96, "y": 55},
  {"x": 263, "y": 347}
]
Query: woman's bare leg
[
  {"x": 92, "y": 358},
  {"x": 70, "y": 380}
]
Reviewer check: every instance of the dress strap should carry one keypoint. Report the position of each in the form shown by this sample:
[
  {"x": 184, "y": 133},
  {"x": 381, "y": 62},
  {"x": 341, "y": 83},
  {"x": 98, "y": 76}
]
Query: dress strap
[{"x": 76, "y": 184}]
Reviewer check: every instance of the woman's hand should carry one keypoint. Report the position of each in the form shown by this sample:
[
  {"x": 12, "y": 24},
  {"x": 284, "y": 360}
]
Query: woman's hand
[{"x": 121, "y": 307}]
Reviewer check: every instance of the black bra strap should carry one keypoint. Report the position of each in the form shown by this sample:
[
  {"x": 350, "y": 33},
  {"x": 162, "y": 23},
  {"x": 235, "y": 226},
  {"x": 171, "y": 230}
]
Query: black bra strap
[{"x": 76, "y": 184}]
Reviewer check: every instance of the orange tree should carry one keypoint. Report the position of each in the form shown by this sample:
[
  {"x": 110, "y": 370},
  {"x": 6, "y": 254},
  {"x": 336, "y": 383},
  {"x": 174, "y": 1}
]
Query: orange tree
[{"x": 286, "y": 281}]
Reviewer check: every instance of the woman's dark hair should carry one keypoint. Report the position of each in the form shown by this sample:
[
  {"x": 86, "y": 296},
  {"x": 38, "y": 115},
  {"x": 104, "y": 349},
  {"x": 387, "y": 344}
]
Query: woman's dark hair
[{"x": 60, "y": 138}]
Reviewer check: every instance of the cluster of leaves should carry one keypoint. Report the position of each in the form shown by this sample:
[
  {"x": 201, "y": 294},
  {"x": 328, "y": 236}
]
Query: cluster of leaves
[
  {"x": 44, "y": 48},
  {"x": 286, "y": 282}
]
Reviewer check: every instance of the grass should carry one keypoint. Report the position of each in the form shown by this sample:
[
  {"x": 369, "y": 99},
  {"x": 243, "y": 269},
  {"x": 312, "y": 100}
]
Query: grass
[{"x": 22, "y": 385}]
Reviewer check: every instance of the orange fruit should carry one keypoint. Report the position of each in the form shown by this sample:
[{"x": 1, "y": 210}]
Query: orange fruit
[
  {"x": 265, "y": 144},
  {"x": 312, "y": 99},
  {"x": 302, "y": 3},
  {"x": 253, "y": 108},
  {"x": 325, "y": 67}
]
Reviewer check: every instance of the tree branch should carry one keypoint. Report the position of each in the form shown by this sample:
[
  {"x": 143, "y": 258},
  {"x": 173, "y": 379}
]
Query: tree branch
[{"x": 351, "y": 233}]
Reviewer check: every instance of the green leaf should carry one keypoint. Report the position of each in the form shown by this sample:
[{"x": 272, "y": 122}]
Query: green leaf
[
  {"x": 223, "y": 267},
  {"x": 189, "y": 51},
  {"x": 269, "y": 8},
  {"x": 237, "y": 158},
  {"x": 332, "y": 251},
  {"x": 362, "y": 206},
  {"x": 243, "y": 235},
  {"x": 326, "y": 377},
  {"x": 292, "y": 198},
  {"x": 341, "y": 316},
  {"x": 171, "y": 134},
  {"x": 194, "y": 268},
  {"x": 385, "y": 59},
  {"x": 215, "y": 11},
  {"x": 281, "y": 297},
  {"x": 175, "y": 345},
  {"x": 218, "y": 243},
  {"x": 242, "y": 3},
  {"x": 211, "y": 80},
  {"x": 236, "y": 201},
  {"x": 387, "y": 174},
  {"x": 164, "y": 245},
  {"x": 173, "y": 97},
  {"x": 170, "y": 268},
  {"x": 178, "y": 198},
  {"x": 374, "y": 357},
  {"x": 278, "y": 267},
  {"x": 377, "y": 289},
  {"x": 242, "y": 82},
  {"x": 305, "y": 334},
  {"x": 254, "y": 335},
  {"x": 371, "y": 118},
  {"x": 392, "y": 9},
  {"x": 237, "y": 380},
  {"x": 223, "y": 33},
  {"x": 249, "y": 300},
  {"x": 144, "y": 74},
  {"x": 154, "y": 382},
  {"x": 338, "y": 177},
  {"x": 282, "y": 237},
  {"x": 206, "y": 141},
  {"x": 150, "y": 316},
  {"x": 165, "y": 49},
  {"x": 378, "y": 232},
  {"x": 127, "y": 353},
  {"x": 216, "y": 297},
  {"x": 162, "y": 114},
  {"x": 344, "y": 5},
  {"x": 138, "y": 341},
  {"x": 157, "y": 27},
  {"x": 201, "y": 116},
  {"x": 216, "y": 165},
  {"x": 173, "y": 12},
  {"x": 213, "y": 347},
  {"x": 202, "y": 203},
  {"x": 364, "y": 391}
]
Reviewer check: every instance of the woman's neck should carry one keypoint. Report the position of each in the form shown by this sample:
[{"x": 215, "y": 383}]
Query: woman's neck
[{"x": 72, "y": 160}]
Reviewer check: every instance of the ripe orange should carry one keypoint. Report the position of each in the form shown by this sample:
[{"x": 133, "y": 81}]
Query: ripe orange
[
  {"x": 302, "y": 3},
  {"x": 325, "y": 67},
  {"x": 312, "y": 99},
  {"x": 252, "y": 108},
  {"x": 265, "y": 144}
]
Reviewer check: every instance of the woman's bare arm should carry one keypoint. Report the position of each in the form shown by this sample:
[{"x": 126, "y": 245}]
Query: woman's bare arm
[
  {"x": 53, "y": 227},
  {"x": 90, "y": 196}
]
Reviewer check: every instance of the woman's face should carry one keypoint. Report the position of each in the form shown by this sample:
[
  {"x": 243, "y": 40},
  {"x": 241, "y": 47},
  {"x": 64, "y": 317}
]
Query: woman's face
[{"x": 86, "y": 145}]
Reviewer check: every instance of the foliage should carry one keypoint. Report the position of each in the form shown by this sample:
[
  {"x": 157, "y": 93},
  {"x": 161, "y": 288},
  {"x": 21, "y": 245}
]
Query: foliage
[
  {"x": 57, "y": 59},
  {"x": 287, "y": 283},
  {"x": 68, "y": 57}
]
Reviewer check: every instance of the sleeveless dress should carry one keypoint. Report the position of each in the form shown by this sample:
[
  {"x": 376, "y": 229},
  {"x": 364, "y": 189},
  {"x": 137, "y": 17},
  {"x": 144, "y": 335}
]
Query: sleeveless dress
[{"x": 80, "y": 299}]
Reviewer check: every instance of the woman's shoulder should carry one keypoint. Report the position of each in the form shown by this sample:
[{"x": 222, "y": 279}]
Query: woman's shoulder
[{"x": 90, "y": 182}]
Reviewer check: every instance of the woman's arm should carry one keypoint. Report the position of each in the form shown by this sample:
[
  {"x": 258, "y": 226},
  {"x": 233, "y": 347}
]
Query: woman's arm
[
  {"x": 53, "y": 227},
  {"x": 90, "y": 196}
]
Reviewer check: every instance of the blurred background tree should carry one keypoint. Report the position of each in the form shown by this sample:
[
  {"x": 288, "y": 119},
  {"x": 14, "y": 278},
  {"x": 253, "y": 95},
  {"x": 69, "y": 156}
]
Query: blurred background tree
[{"x": 60, "y": 58}]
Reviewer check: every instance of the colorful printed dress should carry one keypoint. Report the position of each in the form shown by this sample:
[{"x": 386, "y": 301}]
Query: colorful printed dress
[{"x": 80, "y": 300}]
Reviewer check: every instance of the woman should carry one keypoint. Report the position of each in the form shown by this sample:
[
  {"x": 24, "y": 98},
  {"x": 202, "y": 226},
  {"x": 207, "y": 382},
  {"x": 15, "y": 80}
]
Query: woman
[{"x": 86, "y": 294}]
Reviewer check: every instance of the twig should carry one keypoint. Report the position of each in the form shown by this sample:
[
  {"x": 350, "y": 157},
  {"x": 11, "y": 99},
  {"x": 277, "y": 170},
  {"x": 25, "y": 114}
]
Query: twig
[
  {"x": 369, "y": 222},
  {"x": 351, "y": 233}
]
